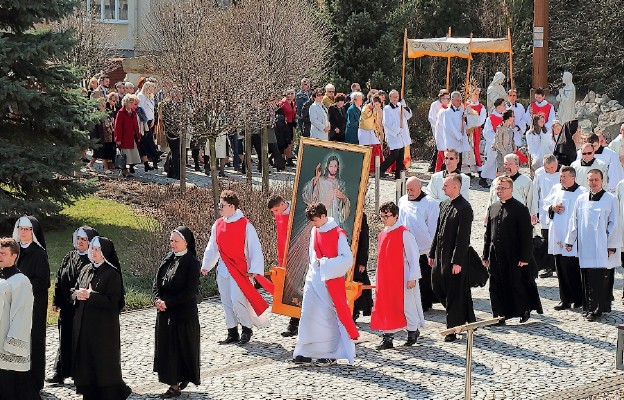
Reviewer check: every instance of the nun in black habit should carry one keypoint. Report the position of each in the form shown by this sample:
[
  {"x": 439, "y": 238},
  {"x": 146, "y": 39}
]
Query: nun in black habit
[
  {"x": 96, "y": 344},
  {"x": 176, "y": 355},
  {"x": 66, "y": 278},
  {"x": 33, "y": 262}
]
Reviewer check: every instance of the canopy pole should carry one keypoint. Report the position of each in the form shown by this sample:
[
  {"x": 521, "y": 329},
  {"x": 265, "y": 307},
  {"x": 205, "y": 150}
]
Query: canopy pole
[
  {"x": 448, "y": 67},
  {"x": 403, "y": 74},
  {"x": 511, "y": 81},
  {"x": 468, "y": 70}
]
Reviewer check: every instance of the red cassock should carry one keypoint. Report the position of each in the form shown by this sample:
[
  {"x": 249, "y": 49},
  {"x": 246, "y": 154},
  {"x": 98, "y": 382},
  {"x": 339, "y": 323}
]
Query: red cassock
[
  {"x": 388, "y": 311},
  {"x": 326, "y": 245},
  {"x": 231, "y": 244},
  {"x": 476, "y": 139}
]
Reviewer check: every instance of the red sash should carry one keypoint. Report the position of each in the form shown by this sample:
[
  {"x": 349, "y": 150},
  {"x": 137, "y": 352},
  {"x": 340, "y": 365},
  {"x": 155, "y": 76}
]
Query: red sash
[
  {"x": 544, "y": 110},
  {"x": 495, "y": 120},
  {"x": 388, "y": 311},
  {"x": 326, "y": 245},
  {"x": 231, "y": 244},
  {"x": 281, "y": 223}
]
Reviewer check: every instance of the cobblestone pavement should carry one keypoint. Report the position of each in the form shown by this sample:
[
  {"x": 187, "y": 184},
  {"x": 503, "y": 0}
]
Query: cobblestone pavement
[{"x": 557, "y": 355}]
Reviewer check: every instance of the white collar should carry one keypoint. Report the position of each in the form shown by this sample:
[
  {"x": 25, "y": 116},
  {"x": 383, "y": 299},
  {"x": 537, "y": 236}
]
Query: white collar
[
  {"x": 181, "y": 253},
  {"x": 234, "y": 217},
  {"x": 396, "y": 225},
  {"x": 287, "y": 210},
  {"x": 542, "y": 103},
  {"x": 329, "y": 225}
]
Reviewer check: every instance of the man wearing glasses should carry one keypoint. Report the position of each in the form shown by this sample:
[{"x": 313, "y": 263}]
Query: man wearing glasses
[
  {"x": 615, "y": 173},
  {"x": 434, "y": 189},
  {"x": 587, "y": 162},
  {"x": 507, "y": 250},
  {"x": 330, "y": 92},
  {"x": 522, "y": 184},
  {"x": 235, "y": 246}
]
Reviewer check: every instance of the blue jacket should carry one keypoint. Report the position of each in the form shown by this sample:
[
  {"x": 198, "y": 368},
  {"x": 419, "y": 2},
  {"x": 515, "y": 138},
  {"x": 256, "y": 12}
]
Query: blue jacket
[{"x": 353, "y": 123}]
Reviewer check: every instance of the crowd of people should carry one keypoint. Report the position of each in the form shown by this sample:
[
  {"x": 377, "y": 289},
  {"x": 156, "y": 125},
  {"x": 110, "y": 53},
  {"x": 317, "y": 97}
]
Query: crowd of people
[{"x": 424, "y": 253}]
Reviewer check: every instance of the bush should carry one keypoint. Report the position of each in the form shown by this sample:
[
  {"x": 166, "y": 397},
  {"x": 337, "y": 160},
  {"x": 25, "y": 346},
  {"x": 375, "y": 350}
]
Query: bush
[
  {"x": 194, "y": 209},
  {"x": 420, "y": 130}
]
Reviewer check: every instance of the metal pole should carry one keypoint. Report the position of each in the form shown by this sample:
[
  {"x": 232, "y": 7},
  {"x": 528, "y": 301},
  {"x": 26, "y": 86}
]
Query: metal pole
[
  {"x": 402, "y": 183},
  {"x": 377, "y": 174},
  {"x": 398, "y": 187},
  {"x": 468, "y": 390}
]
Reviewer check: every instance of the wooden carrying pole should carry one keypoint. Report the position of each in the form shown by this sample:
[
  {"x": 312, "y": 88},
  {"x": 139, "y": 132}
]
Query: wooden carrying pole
[
  {"x": 403, "y": 74},
  {"x": 448, "y": 68},
  {"x": 511, "y": 81},
  {"x": 466, "y": 89}
]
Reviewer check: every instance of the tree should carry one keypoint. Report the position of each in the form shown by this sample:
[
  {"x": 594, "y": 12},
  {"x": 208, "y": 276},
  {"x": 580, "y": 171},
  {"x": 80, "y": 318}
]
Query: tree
[{"x": 44, "y": 114}]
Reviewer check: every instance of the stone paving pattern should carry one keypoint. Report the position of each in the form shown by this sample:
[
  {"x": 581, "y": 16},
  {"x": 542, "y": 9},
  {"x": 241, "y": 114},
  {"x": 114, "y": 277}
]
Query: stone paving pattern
[{"x": 557, "y": 355}]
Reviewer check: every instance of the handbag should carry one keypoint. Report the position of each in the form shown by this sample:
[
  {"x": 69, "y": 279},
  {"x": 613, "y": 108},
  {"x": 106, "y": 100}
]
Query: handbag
[{"x": 120, "y": 160}]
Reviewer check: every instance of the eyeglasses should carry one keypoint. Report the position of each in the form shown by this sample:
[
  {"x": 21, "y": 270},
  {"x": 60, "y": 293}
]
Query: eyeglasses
[
  {"x": 25, "y": 228},
  {"x": 501, "y": 188},
  {"x": 588, "y": 154},
  {"x": 385, "y": 216},
  {"x": 221, "y": 205}
]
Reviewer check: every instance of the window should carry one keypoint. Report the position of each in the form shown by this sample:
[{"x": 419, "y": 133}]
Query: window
[{"x": 109, "y": 10}]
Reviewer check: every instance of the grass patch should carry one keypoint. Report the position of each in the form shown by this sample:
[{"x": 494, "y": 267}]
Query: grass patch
[{"x": 120, "y": 223}]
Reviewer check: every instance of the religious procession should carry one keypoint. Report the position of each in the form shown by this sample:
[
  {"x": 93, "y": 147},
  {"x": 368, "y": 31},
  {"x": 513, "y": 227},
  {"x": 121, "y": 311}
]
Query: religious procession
[{"x": 350, "y": 282}]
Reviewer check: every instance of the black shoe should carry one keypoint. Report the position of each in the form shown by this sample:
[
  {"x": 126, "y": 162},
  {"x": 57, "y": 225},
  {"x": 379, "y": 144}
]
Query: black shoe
[
  {"x": 356, "y": 315},
  {"x": 546, "y": 274},
  {"x": 291, "y": 330},
  {"x": 322, "y": 362},
  {"x": 183, "y": 385},
  {"x": 56, "y": 379},
  {"x": 577, "y": 305},
  {"x": 450, "y": 338},
  {"x": 386, "y": 343},
  {"x": 232, "y": 336},
  {"x": 412, "y": 337},
  {"x": 171, "y": 393},
  {"x": 525, "y": 317},
  {"x": 562, "y": 306},
  {"x": 591, "y": 317},
  {"x": 302, "y": 360},
  {"x": 484, "y": 184},
  {"x": 501, "y": 322},
  {"x": 245, "y": 336}
]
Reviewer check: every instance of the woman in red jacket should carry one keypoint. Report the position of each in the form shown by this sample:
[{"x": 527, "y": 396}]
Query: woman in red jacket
[
  {"x": 127, "y": 132},
  {"x": 287, "y": 104}
]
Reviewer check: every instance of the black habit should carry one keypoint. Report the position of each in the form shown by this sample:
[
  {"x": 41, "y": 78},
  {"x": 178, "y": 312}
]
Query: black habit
[
  {"x": 176, "y": 353},
  {"x": 364, "y": 303},
  {"x": 66, "y": 278},
  {"x": 450, "y": 246},
  {"x": 507, "y": 242},
  {"x": 96, "y": 339},
  {"x": 337, "y": 119},
  {"x": 33, "y": 262}
]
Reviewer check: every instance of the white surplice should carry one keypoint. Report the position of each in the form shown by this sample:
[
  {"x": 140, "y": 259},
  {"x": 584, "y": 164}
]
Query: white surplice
[
  {"x": 595, "y": 227},
  {"x": 421, "y": 218},
  {"x": 559, "y": 223},
  {"x": 321, "y": 334},
  {"x": 235, "y": 304},
  {"x": 434, "y": 188},
  {"x": 522, "y": 191},
  {"x": 583, "y": 170},
  {"x": 488, "y": 171},
  {"x": 543, "y": 182},
  {"x": 16, "y": 307}
]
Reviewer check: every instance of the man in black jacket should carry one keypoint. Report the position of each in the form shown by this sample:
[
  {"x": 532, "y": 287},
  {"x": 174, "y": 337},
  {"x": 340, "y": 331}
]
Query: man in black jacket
[{"x": 449, "y": 255}]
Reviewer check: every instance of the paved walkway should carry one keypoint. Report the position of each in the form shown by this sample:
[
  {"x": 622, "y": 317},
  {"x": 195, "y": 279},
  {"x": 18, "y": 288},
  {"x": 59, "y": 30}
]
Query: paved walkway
[{"x": 557, "y": 355}]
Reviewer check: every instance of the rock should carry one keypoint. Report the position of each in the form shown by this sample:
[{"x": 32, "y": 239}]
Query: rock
[
  {"x": 586, "y": 124},
  {"x": 605, "y": 98},
  {"x": 616, "y": 107},
  {"x": 590, "y": 97},
  {"x": 611, "y": 117},
  {"x": 611, "y": 103},
  {"x": 609, "y": 131},
  {"x": 599, "y": 100}
]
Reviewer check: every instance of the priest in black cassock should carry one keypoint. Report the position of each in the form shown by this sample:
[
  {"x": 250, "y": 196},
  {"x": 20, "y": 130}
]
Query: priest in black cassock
[
  {"x": 449, "y": 256},
  {"x": 176, "y": 353},
  {"x": 96, "y": 342},
  {"x": 66, "y": 278},
  {"x": 33, "y": 262},
  {"x": 507, "y": 251}
]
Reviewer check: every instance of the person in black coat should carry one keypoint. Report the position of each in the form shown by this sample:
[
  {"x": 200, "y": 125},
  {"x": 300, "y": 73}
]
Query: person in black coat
[
  {"x": 449, "y": 256},
  {"x": 96, "y": 343},
  {"x": 176, "y": 355},
  {"x": 66, "y": 277},
  {"x": 364, "y": 303},
  {"x": 507, "y": 252},
  {"x": 565, "y": 148},
  {"x": 33, "y": 262},
  {"x": 337, "y": 119}
]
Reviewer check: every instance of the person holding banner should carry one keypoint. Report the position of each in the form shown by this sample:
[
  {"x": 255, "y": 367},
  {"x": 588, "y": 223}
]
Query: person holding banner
[
  {"x": 326, "y": 330},
  {"x": 235, "y": 245}
]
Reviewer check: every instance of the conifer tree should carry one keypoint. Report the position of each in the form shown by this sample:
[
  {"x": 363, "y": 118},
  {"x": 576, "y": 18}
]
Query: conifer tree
[{"x": 44, "y": 117}]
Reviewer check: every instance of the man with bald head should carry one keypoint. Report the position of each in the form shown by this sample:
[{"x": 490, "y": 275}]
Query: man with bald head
[
  {"x": 449, "y": 256},
  {"x": 451, "y": 160},
  {"x": 419, "y": 213},
  {"x": 587, "y": 162}
]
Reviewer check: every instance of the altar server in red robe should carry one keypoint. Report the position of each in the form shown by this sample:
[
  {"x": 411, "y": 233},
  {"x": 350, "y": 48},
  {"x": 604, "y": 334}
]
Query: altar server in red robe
[
  {"x": 397, "y": 301},
  {"x": 235, "y": 246},
  {"x": 326, "y": 330}
]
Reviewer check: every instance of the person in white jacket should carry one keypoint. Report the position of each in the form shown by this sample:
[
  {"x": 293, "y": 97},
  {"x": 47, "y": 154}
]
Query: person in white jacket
[
  {"x": 396, "y": 131},
  {"x": 539, "y": 141},
  {"x": 319, "y": 118},
  {"x": 434, "y": 111}
]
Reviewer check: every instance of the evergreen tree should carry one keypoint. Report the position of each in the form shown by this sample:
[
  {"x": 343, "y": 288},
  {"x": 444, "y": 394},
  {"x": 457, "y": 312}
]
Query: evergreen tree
[{"x": 44, "y": 116}]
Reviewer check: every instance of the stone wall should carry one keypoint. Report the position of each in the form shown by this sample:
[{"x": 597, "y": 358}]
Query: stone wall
[{"x": 600, "y": 114}]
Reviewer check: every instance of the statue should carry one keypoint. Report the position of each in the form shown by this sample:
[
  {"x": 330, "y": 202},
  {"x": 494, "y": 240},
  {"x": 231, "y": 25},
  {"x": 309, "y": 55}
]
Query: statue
[
  {"x": 566, "y": 99},
  {"x": 496, "y": 90}
]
